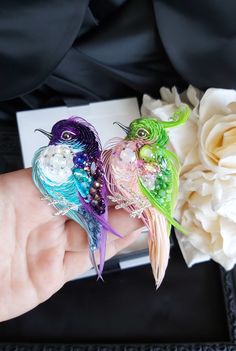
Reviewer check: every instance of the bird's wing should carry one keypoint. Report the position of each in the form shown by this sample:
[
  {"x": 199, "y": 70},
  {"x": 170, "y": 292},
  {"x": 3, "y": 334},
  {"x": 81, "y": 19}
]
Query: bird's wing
[
  {"x": 164, "y": 196},
  {"x": 92, "y": 192},
  {"x": 90, "y": 186},
  {"x": 174, "y": 169}
]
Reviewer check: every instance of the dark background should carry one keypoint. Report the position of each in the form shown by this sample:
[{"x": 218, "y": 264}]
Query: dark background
[{"x": 55, "y": 52}]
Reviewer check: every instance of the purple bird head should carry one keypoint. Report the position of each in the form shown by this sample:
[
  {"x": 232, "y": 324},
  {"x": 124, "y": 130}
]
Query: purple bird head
[{"x": 73, "y": 132}]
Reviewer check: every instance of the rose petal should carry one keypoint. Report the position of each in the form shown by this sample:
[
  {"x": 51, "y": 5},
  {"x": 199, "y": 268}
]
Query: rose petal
[
  {"x": 214, "y": 146},
  {"x": 194, "y": 95},
  {"x": 228, "y": 163},
  {"x": 224, "y": 198},
  {"x": 228, "y": 232},
  {"x": 191, "y": 254},
  {"x": 215, "y": 101}
]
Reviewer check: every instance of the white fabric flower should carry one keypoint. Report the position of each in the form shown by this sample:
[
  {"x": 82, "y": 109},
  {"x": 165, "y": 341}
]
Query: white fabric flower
[
  {"x": 217, "y": 131},
  {"x": 206, "y": 147}
]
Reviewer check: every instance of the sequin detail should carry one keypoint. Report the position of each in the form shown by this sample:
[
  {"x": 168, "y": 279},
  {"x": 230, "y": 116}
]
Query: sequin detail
[{"x": 56, "y": 162}]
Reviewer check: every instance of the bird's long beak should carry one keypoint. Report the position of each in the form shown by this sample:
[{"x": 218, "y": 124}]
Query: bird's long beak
[
  {"x": 49, "y": 135},
  {"x": 125, "y": 129}
]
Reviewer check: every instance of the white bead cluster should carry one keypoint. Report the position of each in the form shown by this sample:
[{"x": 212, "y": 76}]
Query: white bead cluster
[{"x": 56, "y": 162}]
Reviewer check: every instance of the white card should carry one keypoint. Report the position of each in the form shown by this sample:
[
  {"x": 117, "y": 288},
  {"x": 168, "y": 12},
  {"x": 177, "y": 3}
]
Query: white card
[{"x": 100, "y": 114}]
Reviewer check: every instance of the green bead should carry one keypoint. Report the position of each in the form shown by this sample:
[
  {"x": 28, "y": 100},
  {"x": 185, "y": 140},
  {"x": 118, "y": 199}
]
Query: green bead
[
  {"x": 162, "y": 193},
  {"x": 163, "y": 163},
  {"x": 146, "y": 153}
]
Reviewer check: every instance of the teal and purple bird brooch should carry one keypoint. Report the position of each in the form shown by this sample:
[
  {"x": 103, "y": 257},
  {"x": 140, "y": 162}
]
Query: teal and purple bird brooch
[{"x": 69, "y": 174}]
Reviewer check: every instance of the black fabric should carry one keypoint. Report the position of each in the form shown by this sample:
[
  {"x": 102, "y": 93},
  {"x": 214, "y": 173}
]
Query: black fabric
[
  {"x": 200, "y": 40},
  {"x": 34, "y": 38}
]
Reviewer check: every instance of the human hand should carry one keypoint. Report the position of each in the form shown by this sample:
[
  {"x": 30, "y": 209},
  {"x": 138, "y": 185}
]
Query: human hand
[{"x": 40, "y": 252}]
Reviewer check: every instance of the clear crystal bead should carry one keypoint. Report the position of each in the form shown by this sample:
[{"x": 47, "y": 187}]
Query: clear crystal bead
[{"x": 128, "y": 156}]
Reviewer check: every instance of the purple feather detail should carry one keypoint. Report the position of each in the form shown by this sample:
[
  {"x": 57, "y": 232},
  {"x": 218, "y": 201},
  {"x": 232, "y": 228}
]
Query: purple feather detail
[
  {"x": 101, "y": 219},
  {"x": 89, "y": 136}
]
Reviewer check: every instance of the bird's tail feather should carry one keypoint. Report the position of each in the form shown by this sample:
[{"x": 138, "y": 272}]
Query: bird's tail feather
[
  {"x": 102, "y": 222},
  {"x": 94, "y": 263},
  {"x": 106, "y": 226},
  {"x": 78, "y": 218},
  {"x": 159, "y": 243},
  {"x": 102, "y": 250}
]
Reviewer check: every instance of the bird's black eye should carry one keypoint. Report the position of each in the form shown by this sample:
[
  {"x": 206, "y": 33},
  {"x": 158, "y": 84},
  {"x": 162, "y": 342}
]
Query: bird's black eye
[
  {"x": 67, "y": 135},
  {"x": 142, "y": 133}
]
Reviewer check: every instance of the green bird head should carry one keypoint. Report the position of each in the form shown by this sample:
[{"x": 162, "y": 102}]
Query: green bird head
[
  {"x": 152, "y": 131},
  {"x": 147, "y": 131}
]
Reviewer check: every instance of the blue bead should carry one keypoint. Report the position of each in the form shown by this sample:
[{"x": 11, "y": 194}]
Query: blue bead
[{"x": 78, "y": 160}]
